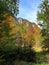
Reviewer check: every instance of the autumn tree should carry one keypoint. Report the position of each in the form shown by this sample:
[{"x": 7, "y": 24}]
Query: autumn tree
[{"x": 43, "y": 16}]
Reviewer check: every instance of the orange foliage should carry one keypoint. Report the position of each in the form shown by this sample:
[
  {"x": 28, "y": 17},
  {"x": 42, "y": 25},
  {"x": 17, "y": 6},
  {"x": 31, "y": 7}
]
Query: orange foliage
[{"x": 9, "y": 21}]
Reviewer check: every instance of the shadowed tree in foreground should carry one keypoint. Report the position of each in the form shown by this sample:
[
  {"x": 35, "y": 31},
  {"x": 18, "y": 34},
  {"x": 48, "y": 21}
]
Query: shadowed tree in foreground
[
  {"x": 8, "y": 8},
  {"x": 43, "y": 15}
]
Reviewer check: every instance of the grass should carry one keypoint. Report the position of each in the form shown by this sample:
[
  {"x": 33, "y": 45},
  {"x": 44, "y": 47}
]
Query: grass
[
  {"x": 27, "y": 63},
  {"x": 41, "y": 64}
]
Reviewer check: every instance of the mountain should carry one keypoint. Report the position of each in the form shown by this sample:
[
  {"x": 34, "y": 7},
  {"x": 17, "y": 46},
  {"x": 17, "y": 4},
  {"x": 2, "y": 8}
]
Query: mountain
[
  {"x": 31, "y": 33},
  {"x": 24, "y": 33}
]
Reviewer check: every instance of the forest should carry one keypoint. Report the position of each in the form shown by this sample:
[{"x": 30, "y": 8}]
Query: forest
[{"x": 21, "y": 41}]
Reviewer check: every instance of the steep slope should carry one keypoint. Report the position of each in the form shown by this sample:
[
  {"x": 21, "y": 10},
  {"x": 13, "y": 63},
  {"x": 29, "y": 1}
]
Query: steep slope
[
  {"x": 24, "y": 33},
  {"x": 32, "y": 33}
]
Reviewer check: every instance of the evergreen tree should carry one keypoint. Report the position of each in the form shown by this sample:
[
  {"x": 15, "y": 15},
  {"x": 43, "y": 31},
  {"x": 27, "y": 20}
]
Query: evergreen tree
[
  {"x": 8, "y": 8},
  {"x": 43, "y": 15}
]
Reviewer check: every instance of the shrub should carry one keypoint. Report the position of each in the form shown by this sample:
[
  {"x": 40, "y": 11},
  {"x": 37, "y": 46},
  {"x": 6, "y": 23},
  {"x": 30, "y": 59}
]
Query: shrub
[{"x": 8, "y": 56}]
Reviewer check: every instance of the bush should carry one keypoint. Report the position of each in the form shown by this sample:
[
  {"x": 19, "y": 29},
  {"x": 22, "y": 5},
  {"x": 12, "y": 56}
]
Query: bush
[
  {"x": 41, "y": 57},
  {"x": 8, "y": 56}
]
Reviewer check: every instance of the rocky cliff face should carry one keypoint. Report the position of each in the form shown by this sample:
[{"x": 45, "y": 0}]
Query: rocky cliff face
[
  {"x": 32, "y": 33},
  {"x": 25, "y": 33}
]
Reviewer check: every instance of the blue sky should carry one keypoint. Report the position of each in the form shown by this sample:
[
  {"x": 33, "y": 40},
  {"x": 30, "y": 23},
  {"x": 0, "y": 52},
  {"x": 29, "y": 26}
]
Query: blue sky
[{"x": 28, "y": 9}]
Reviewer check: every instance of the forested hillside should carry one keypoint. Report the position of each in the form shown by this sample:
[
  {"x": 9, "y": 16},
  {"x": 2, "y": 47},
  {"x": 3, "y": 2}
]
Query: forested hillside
[
  {"x": 24, "y": 33},
  {"x": 23, "y": 42}
]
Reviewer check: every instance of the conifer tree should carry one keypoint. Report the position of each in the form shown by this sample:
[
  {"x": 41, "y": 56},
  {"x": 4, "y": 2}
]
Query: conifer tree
[
  {"x": 8, "y": 9},
  {"x": 43, "y": 15}
]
